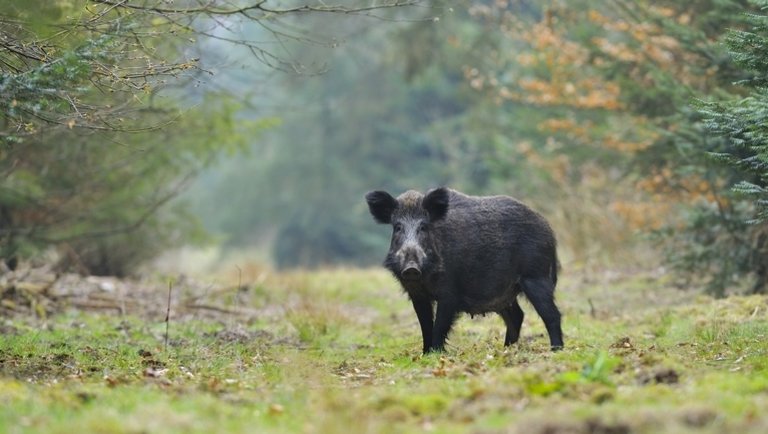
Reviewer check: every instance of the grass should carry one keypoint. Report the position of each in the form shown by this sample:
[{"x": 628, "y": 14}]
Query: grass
[{"x": 338, "y": 351}]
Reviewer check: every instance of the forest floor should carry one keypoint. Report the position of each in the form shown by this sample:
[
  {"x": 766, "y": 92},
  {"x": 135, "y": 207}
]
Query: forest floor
[{"x": 339, "y": 351}]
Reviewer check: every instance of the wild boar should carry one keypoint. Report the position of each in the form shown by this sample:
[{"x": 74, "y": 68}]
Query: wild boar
[{"x": 469, "y": 254}]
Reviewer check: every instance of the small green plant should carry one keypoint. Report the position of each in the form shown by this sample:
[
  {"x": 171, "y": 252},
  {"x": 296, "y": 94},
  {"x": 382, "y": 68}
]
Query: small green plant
[
  {"x": 316, "y": 325},
  {"x": 596, "y": 370},
  {"x": 600, "y": 368}
]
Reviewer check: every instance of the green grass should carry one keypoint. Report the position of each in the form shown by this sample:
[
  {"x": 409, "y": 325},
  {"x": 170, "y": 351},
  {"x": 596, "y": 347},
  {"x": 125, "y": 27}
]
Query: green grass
[{"x": 338, "y": 351}]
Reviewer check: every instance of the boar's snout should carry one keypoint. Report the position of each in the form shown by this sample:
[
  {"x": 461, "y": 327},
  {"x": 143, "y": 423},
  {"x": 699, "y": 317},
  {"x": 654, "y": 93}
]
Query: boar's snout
[{"x": 411, "y": 271}]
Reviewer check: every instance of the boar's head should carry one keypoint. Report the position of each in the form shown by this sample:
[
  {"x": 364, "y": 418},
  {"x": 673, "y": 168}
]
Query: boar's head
[{"x": 412, "y": 215}]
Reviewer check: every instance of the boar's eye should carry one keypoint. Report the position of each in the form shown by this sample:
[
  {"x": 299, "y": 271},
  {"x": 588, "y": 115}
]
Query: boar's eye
[
  {"x": 423, "y": 227},
  {"x": 398, "y": 227}
]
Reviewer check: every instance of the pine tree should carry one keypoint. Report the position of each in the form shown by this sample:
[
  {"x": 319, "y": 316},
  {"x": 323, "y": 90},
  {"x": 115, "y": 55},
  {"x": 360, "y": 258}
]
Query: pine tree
[{"x": 743, "y": 124}]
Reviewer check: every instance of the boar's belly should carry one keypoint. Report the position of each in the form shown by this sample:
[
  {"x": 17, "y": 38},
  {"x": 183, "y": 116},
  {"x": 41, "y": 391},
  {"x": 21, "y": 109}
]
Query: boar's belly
[{"x": 489, "y": 301}]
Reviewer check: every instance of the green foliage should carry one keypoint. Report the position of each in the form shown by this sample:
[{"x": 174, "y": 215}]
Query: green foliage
[
  {"x": 744, "y": 122},
  {"x": 91, "y": 150},
  {"x": 719, "y": 246},
  {"x": 739, "y": 226},
  {"x": 104, "y": 196},
  {"x": 711, "y": 242},
  {"x": 650, "y": 59}
]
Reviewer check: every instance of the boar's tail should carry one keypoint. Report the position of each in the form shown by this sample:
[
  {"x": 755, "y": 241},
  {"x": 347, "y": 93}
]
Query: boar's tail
[{"x": 554, "y": 268}]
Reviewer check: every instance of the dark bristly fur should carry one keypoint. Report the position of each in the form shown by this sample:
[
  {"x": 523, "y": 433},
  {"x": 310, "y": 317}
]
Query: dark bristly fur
[{"x": 470, "y": 254}]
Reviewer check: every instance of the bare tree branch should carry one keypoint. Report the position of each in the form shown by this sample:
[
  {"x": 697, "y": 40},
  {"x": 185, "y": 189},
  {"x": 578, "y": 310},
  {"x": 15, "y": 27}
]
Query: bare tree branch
[{"x": 209, "y": 8}]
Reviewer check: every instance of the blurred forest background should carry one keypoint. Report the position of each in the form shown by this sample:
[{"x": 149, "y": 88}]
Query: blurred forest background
[{"x": 638, "y": 128}]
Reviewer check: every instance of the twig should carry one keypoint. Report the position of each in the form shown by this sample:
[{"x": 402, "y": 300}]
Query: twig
[
  {"x": 210, "y": 307},
  {"x": 95, "y": 305},
  {"x": 168, "y": 314},
  {"x": 239, "y": 287}
]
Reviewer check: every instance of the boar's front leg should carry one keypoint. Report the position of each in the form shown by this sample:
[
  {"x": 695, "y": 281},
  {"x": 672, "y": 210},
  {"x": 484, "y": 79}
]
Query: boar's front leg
[
  {"x": 444, "y": 318},
  {"x": 425, "y": 313}
]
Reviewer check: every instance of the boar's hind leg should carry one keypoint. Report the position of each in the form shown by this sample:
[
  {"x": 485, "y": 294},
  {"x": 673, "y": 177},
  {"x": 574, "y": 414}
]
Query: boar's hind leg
[
  {"x": 424, "y": 312},
  {"x": 513, "y": 318},
  {"x": 541, "y": 293}
]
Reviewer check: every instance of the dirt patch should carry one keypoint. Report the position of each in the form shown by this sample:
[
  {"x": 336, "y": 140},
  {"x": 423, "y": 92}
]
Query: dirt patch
[
  {"x": 350, "y": 372},
  {"x": 8, "y": 330},
  {"x": 39, "y": 292},
  {"x": 698, "y": 418},
  {"x": 240, "y": 335},
  {"x": 623, "y": 343},
  {"x": 23, "y": 367},
  {"x": 589, "y": 426},
  {"x": 659, "y": 376}
]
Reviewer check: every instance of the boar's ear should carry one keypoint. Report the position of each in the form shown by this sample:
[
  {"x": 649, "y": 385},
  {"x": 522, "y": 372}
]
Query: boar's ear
[
  {"x": 381, "y": 204},
  {"x": 436, "y": 203}
]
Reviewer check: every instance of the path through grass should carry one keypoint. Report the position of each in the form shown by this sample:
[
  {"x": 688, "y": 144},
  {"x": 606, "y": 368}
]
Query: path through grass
[{"x": 338, "y": 351}]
